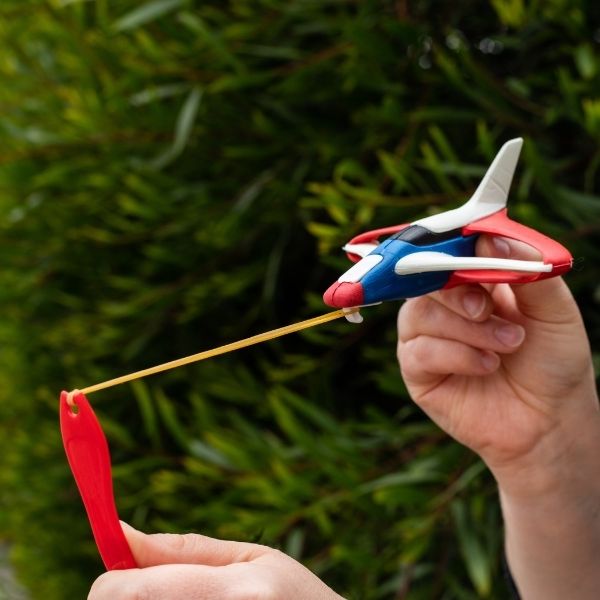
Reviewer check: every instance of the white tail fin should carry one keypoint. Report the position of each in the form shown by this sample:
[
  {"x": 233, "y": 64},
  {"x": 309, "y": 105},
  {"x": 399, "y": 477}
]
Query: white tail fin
[
  {"x": 494, "y": 186},
  {"x": 489, "y": 197}
]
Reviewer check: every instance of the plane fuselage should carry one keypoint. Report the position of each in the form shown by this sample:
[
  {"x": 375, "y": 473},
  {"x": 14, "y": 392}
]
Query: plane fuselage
[{"x": 373, "y": 279}]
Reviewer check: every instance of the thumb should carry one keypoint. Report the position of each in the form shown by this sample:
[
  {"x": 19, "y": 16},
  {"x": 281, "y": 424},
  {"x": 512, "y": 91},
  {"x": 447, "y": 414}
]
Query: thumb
[
  {"x": 189, "y": 548},
  {"x": 547, "y": 300}
]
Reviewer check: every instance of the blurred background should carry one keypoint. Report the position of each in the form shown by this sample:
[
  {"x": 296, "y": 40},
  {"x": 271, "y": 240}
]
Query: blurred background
[{"x": 178, "y": 174}]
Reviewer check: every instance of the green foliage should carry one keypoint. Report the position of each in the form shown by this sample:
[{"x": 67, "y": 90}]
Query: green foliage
[{"x": 177, "y": 174}]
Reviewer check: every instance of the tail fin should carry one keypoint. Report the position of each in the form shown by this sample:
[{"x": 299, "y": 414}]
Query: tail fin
[
  {"x": 489, "y": 197},
  {"x": 493, "y": 189}
]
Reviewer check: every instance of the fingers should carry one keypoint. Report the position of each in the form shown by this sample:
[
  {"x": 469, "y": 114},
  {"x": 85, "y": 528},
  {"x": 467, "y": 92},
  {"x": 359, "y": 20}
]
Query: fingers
[
  {"x": 471, "y": 301},
  {"x": 547, "y": 300},
  {"x": 166, "y": 548},
  {"x": 425, "y": 359},
  {"x": 174, "y": 582},
  {"x": 259, "y": 572},
  {"x": 441, "y": 316},
  {"x": 501, "y": 247},
  {"x": 453, "y": 332}
]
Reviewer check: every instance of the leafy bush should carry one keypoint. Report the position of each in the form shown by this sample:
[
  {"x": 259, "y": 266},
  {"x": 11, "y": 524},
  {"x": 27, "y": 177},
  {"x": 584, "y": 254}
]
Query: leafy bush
[{"x": 175, "y": 175}]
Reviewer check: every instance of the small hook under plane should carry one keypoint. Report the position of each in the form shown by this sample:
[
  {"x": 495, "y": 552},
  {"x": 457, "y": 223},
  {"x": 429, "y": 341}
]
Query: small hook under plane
[{"x": 438, "y": 251}]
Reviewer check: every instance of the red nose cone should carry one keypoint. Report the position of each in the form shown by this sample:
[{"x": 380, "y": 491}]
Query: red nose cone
[{"x": 344, "y": 295}]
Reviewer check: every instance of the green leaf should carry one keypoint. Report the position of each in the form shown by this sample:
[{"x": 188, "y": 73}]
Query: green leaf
[
  {"x": 148, "y": 411},
  {"x": 159, "y": 92},
  {"x": 183, "y": 130},
  {"x": 170, "y": 419},
  {"x": 510, "y": 12},
  {"x": 585, "y": 59},
  {"x": 472, "y": 550},
  {"x": 209, "y": 454},
  {"x": 145, "y": 14}
]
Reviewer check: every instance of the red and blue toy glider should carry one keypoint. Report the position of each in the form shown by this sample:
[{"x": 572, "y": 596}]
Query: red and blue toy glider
[{"x": 438, "y": 252}]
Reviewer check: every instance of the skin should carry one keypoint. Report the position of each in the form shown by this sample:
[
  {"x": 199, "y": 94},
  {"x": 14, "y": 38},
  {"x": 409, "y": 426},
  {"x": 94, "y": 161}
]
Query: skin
[
  {"x": 196, "y": 567},
  {"x": 506, "y": 371}
]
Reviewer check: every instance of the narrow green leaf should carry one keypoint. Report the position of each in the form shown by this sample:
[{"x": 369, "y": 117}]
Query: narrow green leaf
[
  {"x": 170, "y": 419},
  {"x": 211, "y": 39},
  {"x": 183, "y": 129},
  {"x": 289, "y": 422},
  {"x": 201, "y": 450},
  {"x": 160, "y": 92},
  {"x": 400, "y": 478},
  {"x": 146, "y": 13},
  {"x": 147, "y": 410},
  {"x": 476, "y": 561}
]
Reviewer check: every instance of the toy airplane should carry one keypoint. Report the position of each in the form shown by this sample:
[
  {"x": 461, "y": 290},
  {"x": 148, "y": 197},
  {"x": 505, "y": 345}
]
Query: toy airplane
[{"x": 438, "y": 252}]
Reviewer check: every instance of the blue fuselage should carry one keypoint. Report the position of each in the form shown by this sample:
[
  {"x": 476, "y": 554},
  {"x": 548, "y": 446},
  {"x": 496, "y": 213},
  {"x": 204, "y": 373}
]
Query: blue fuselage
[{"x": 381, "y": 283}]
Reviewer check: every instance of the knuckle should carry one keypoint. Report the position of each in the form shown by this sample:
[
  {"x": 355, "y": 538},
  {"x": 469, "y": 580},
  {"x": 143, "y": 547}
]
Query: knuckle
[
  {"x": 133, "y": 590},
  {"x": 428, "y": 311},
  {"x": 249, "y": 551},
  {"x": 182, "y": 543},
  {"x": 412, "y": 315},
  {"x": 452, "y": 298},
  {"x": 106, "y": 587},
  {"x": 134, "y": 594},
  {"x": 417, "y": 350},
  {"x": 411, "y": 307},
  {"x": 278, "y": 554},
  {"x": 399, "y": 350},
  {"x": 261, "y": 549},
  {"x": 402, "y": 353},
  {"x": 410, "y": 354},
  {"x": 264, "y": 587},
  {"x": 263, "y": 590}
]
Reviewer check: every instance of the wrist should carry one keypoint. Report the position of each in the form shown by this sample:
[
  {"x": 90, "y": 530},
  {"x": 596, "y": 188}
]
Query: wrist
[
  {"x": 564, "y": 462},
  {"x": 552, "y": 522}
]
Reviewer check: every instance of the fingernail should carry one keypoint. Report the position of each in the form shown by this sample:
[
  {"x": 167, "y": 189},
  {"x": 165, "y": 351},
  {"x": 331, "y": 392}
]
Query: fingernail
[
  {"x": 490, "y": 361},
  {"x": 473, "y": 303},
  {"x": 510, "y": 335},
  {"x": 501, "y": 246}
]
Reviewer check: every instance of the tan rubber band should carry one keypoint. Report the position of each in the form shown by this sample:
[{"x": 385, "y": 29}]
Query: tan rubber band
[
  {"x": 70, "y": 395},
  {"x": 256, "y": 339}
]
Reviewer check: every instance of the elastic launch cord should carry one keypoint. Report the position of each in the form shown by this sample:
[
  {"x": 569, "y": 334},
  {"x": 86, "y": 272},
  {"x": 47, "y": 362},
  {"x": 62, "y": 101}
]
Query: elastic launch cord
[
  {"x": 256, "y": 339},
  {"x": 70, "y": 400}
]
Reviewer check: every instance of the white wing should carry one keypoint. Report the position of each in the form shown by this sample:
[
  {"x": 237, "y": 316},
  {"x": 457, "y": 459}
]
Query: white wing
[
  {"x": 422, "y": 262},
  {"x": 361, "y": 250},
  {"x": 489, "y": 197}
]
